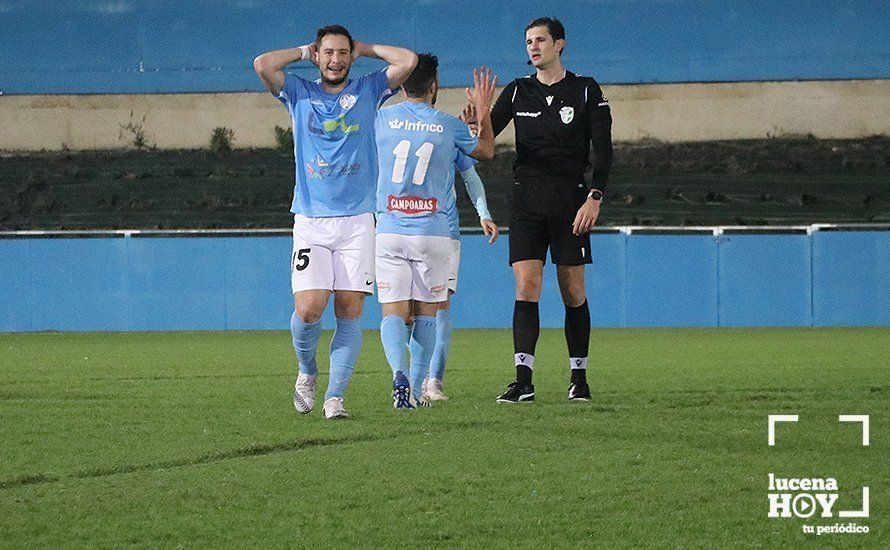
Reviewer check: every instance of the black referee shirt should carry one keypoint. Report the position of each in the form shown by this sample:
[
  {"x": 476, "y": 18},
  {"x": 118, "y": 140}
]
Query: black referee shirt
[{"x": 561, "y": 129}]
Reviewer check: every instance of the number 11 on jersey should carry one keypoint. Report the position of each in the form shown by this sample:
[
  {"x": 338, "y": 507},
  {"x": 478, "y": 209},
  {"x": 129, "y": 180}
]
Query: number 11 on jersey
[{"x": 424, "y": 152}]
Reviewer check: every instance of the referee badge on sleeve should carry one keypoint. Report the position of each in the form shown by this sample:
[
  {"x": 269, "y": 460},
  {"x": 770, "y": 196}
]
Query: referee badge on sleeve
[{"x": 567, "y": 114}]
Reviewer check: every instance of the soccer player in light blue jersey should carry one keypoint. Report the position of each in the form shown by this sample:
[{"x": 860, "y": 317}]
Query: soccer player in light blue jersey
[
  {"x": 433, "y": 386},
  {"x": 416, "y": 149},
  {"x": 336, "y": 174}
]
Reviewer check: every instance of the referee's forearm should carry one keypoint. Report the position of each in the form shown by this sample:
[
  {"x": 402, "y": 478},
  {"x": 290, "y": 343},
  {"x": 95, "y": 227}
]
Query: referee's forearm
[
  {"x": 502, "y": 112},
  {"x": 602, "y": 165},
  {"x": 601, "y": 152}
]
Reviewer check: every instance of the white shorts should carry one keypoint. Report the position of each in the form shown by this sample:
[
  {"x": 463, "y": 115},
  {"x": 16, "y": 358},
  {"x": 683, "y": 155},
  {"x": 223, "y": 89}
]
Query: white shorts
[
  {"x": 454, "y": 265},
  {"x": 412, "y": 267},
  {"x": 333, "y": 253}
]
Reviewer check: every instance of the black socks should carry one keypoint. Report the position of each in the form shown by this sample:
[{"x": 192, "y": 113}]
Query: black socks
[
  {"x": 577, "y": 330},
  {"x": 526, "y": 327}
]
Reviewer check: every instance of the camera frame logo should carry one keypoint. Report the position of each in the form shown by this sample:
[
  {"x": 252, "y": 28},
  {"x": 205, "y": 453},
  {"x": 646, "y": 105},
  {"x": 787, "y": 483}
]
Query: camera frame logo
[{"x": 805, "y": 498}]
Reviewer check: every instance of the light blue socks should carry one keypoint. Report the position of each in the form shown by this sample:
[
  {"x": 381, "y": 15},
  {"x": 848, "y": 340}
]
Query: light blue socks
[
  {"x": 423, "y": 341},
  {"x": 305, "y": 342},
  {"x": 345, "y": 347},
  {"x": 394, "y": 336},
  {"x": 443, "y": 343}
]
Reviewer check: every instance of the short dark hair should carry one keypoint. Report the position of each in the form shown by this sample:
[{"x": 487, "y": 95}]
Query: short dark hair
[
  {"x": 554, "y": 27},
  {"x": 333, "y": 29},
  {"x": 423, "y": 76}
]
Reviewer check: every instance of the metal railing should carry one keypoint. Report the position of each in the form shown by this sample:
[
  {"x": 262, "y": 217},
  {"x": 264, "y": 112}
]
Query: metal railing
[{"x": 715, "y": 230}]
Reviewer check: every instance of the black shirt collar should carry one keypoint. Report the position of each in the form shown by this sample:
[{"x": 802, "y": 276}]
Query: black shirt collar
[{"x": 569, "y": 75}]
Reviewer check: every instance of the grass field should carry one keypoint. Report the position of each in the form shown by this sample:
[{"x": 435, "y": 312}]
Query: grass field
[{"x": 190, "y": 440}]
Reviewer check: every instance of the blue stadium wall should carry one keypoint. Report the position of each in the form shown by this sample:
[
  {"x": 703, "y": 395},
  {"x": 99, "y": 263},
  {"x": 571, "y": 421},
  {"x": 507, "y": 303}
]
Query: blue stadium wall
[
  {"x": 829, "y": 278},
  {"x": 130, "y": 46}
]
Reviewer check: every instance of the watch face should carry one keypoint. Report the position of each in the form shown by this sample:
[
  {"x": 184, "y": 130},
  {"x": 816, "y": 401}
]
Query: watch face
[{"x": 596, "y": 195}]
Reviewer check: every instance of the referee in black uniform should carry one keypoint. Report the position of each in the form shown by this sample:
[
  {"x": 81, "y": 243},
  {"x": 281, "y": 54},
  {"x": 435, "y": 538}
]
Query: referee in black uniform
[{"x": 563, "y": 127}]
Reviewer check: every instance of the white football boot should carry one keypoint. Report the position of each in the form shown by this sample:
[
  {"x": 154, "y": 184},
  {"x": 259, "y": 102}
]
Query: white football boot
[
  {"x": 304, "y": 393},
  {"x": 333, "y": 408},
  {"x": 421, "y": 403},
  {"x": 432, "y": 390}
]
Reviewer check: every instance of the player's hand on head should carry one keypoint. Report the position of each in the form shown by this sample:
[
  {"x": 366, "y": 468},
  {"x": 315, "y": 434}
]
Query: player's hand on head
[
  {"x": 356, "y": 50},
  {"x": 586, "y": 217},
  {"x": 491, "y": 229},
  {"x": 313, "y": 54}
]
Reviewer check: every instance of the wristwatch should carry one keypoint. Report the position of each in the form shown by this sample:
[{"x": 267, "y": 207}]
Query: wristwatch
[{"x": 595, "y": 194}]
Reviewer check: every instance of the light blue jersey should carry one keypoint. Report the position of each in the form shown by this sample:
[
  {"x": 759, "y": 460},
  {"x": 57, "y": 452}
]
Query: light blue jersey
[
  {"x": 416, "y": 153},
  {"x": 336, "y": 168}
]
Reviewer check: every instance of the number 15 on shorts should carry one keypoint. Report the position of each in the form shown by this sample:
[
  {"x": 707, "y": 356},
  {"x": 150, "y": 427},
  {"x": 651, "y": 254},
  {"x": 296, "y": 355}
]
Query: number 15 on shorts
[{"x": 300, "y": 259}]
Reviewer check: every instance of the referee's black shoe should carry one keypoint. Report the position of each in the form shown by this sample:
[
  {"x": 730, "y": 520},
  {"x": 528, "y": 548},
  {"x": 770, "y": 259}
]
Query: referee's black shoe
[
  {"x": 579, "y": 391},
  {"x": 516, "y": 392}
]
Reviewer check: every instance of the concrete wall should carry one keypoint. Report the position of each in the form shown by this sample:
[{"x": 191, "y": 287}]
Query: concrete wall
[
  {"x": 667, "y": 112},
  {"x": 698, "y": 112}
]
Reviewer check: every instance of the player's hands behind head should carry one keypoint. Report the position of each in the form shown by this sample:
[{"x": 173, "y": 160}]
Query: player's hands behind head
[
  {"x": 313, "y": 54},
  {"x": 357, "y": 49}
]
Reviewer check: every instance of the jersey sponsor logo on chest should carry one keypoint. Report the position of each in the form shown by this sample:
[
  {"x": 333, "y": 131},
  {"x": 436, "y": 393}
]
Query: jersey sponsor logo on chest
[
  {"x": 412, "y": 205},
  {"x": 415, "y": 126},
  {"x": 331, "y": 126},
  {"x": 530, "y": 114}
]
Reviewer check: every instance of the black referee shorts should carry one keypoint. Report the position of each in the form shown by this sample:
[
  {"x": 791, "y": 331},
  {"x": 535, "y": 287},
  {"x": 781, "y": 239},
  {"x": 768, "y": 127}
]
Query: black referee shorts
[{"x": 541, "y": 217}]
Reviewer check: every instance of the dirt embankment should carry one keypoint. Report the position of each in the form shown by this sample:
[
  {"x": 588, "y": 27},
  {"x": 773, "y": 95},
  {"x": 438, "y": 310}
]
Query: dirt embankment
[{"x": 775, "y": 181}]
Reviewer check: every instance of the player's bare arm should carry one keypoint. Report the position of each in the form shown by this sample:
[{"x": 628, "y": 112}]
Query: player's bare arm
[
  {"x": 270, "y": 65},
  {"x": 401, "y": 60},
  {"x": 482, "y": 96}
]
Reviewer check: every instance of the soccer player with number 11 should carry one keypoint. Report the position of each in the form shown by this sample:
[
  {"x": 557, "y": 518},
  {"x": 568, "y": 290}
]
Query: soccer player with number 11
[{"x": 416, "y": 149}]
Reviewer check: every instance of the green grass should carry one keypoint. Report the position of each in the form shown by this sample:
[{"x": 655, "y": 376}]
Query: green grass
[{"x": 190, "y": 439}]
